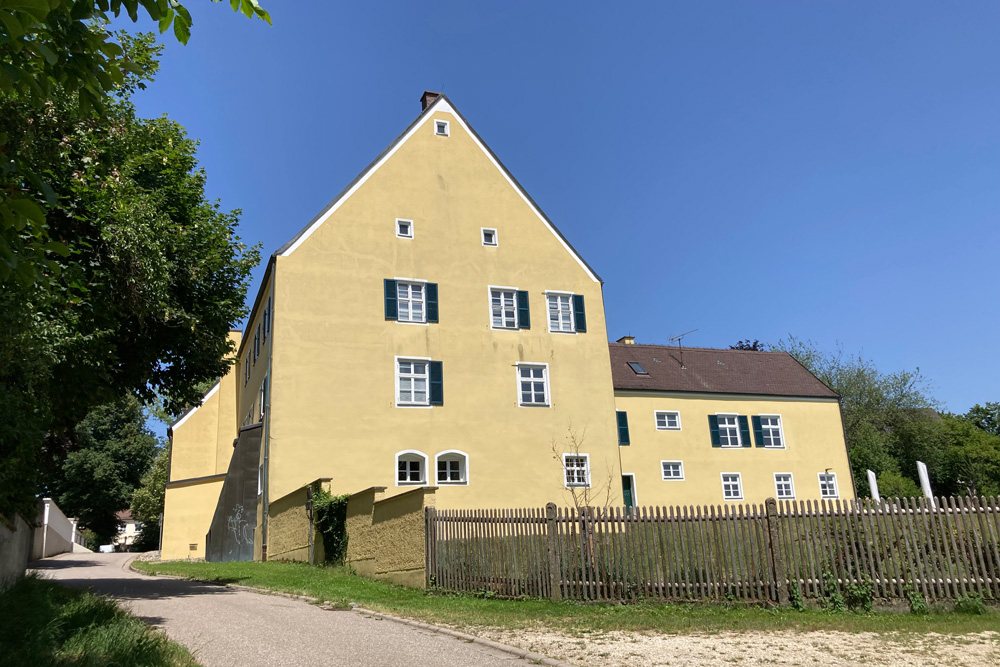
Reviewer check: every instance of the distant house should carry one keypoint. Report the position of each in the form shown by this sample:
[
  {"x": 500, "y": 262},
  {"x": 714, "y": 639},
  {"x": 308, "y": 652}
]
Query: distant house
[
  {"x": 432, "y": 327},
  {"x": 129, "y": 531}
]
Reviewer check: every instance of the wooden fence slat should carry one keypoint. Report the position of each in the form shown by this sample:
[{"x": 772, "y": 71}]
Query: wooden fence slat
[{"x": 974, "y": 544}]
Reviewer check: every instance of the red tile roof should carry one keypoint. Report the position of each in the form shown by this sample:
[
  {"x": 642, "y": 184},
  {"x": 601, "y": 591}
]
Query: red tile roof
[{"x": 696, "y": 369}]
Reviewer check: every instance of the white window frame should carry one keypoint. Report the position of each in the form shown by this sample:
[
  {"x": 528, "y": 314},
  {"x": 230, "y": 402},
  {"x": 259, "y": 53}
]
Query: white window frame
[
  {"x": 437, "y": 128},
  {"x": 739, "y": 483},
  {"x": 408, "y": 282},
  {"x": 451, "y": 455},
  {"x": 401, "y": 236},
  {"x": 410, "y": 454},
  {"x": 781, "y": 430},
  {"x": 572, "y": 315},
  {"x": 489, "y": 305},
  {"x": 496, "y": 237},
  {"x": 586, "y": 467},
  {"x": 739, "y": 437},
  {"x": 656, "y": 420},
  {"x": 672, "y": 479},
  {"x": 260, "y": 480},
  {"x": 836, "y": 486},
  {"x": 791, "y": 483},
  {"x": 424, "y": 360},
  {"x": 263, "y": 398},
  {"x": 545, "y": 379}
]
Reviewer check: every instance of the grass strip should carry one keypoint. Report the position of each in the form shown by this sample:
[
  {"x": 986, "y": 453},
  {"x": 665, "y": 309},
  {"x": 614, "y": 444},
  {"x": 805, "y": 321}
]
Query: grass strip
[
  {"x": 43, "y": 624},
  {"x": 340, "y": 586}
]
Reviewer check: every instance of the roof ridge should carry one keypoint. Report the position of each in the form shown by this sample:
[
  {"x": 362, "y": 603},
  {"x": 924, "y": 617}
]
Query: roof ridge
[{"x": 704, "y": 349}]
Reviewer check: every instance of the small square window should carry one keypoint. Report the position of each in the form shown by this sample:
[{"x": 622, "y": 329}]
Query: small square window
[
  {"x": 668, "y": 421},
  {"x": 489, "y": 237},
  {"x": 404, "y": 229},
  {"x": 732, "y": 486},
  {"x": 441, "y": 128},
  {"x": 828, "y": 485},
  {"x": 784, "y": 487},
  {"x": 577, "y": 469},
  {"x": 672, "y": 470}
]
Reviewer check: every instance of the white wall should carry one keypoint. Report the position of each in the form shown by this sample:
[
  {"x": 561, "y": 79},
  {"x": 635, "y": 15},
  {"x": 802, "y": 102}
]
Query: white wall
[
  {"x": 15, "y": 544},
  {"x": 55, "y": 534}
]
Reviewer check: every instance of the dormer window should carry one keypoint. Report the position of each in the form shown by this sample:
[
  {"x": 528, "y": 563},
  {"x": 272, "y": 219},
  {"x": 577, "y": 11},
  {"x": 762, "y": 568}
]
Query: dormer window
[
  {"x": 441, "y": 128},
  {"x": 404, "y": 229},
  {"x": 489, "y": 237}
]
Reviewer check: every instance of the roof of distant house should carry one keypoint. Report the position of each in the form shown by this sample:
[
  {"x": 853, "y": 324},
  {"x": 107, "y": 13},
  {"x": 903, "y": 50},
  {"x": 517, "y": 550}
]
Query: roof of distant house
[
  {"x": 124, "y": 516},
  {"x": 707, "y": 370}
]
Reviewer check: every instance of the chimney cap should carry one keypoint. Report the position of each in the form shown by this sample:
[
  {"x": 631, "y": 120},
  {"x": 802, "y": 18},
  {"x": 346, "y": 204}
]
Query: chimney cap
[
  {"x": 427, "y": 99},
  {"x": 627, "y": 340}
]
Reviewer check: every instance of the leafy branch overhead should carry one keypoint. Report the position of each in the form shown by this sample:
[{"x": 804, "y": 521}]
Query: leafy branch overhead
[{"x": 64, "y": 44}]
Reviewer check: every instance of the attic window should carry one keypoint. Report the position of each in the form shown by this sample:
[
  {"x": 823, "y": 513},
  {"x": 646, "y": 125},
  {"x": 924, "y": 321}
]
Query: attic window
[
  {"x": 441, "y": 128},
  {"x": 404, "y": 229},
  {"x": 489, "y": 236},
  {"x": 637, "y": 367}
]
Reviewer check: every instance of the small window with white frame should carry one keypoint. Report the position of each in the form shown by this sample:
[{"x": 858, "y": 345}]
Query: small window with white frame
[
  {"x": 533, "y": 385},
  {"x": 411, "y": 468},
  {"x": 668, "y": 420},
  {"x": 672, "y": 470},
  {"x": 503, "y": 308},
  {"x": 412, "y": 376},
  {"x": 729, "y": 431},
  {"x": 442, "y": 128},
  {"x": 260, "y": 479},
  {"x": 452, "y": 467},
  {"x": 732, "y": 486},
  {"x": 576, "y": 468},
  {"x": 490, "y": 237},
  {"x": 828, "y": 485},
  {"x": 263, "y": 399},
  {"x": 560, "y": 312},
  {"x": 784, "y": 486},
  {"x": 410, "y": 302},
  {"x": 404, "y": 228},
  {"x": 771, "y": 432}
]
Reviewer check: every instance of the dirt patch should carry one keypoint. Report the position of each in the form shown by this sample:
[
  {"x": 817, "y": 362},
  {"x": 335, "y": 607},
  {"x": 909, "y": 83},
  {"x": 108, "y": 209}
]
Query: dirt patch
[{"x": 635, "y": 649}]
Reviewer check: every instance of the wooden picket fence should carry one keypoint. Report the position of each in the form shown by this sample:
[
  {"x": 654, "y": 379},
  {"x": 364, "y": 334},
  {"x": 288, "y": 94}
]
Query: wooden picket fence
[{"x": 941, "y": 549}]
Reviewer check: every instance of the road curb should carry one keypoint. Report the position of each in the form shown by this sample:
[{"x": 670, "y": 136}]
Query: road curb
[{"x": 536, "y": 658}]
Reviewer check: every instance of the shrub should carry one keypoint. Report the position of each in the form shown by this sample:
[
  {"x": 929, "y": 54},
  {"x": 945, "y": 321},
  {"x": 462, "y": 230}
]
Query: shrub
[
  {"x": 330, "y": 515},
  {"x": 970, "y": 604}
]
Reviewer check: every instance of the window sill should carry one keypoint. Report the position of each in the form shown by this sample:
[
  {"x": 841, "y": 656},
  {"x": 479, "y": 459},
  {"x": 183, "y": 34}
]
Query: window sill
[
  {"x": 733, "y": 500},
  {"x": 411, "y": 322},
  {"x": 414, "y": 405},
  {"x": 533, "y": 405}
]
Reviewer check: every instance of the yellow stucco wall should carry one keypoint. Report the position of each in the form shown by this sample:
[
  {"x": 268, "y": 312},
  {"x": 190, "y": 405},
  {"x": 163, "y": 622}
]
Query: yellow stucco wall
[
  {"x": 814, "y": 441},
  {"x": 361, "y": 545},
  {"x": 333, "y": 372},
  {"x": 187, "y": 516}
]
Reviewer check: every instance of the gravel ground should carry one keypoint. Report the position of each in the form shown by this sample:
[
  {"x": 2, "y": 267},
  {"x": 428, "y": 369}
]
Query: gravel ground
[{"x": 633, "y": 649}]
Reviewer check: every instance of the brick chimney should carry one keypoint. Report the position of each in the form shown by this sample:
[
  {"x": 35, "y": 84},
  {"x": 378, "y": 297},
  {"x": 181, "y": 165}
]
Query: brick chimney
[
  {"x": 427, "y": 99},
  {"x": 627, "y": 340}
]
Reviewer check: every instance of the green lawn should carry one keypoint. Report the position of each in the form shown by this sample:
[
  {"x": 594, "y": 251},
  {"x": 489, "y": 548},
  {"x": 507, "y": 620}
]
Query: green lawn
[
  {"x": 43, "y": 624},
  {"x": 340, "y": 586}
]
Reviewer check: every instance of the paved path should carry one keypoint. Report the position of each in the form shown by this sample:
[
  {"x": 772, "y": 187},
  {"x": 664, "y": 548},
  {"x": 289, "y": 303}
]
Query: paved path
[{"x": 230, "y": 628}]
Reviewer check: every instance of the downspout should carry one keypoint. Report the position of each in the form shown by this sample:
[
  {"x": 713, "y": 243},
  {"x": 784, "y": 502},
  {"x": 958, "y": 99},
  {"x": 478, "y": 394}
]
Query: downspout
[{"x": 267, "y": 419}]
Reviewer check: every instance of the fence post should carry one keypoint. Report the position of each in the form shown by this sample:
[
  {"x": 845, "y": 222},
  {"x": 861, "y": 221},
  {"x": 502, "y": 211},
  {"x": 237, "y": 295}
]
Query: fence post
[
  {"x": 430, "y": 547},
  {"x": 552, "y": 531},
  {"x": 777, "y": 555}
]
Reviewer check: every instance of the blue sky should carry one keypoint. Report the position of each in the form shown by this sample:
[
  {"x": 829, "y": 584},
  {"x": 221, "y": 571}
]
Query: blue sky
[{"x": 748, "y": 169}]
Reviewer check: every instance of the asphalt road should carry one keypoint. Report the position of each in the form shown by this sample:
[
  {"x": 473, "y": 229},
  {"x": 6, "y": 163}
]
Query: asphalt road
[{"x": 231, "y": 628}]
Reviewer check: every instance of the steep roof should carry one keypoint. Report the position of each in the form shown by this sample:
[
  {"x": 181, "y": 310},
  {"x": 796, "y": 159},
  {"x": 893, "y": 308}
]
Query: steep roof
[{"x": 706, "y": 370}]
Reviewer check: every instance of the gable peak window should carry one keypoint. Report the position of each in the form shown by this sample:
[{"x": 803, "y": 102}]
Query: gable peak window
[
  {"x": 404, "y": 228},
  {"x": 490, "y": 237},
  {"x": 442, "y": 128}
]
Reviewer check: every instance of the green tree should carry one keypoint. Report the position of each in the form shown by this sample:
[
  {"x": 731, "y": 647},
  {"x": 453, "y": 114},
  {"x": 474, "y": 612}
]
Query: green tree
[
  {"x": 98, "y": 480},
  {"x": 147, "y": 501},
  {"x": 155, "y": 278},
  {"x": 985, "y": 417},
  {"x": 63, "y": 47},
  {"x": 750, "y": 345}
]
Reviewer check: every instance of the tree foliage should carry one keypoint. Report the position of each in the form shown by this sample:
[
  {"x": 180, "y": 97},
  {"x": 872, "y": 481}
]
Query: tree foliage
[
  {"x": 147, "y": 501},
  {"x": 97, "y": 480},
  {"x": 985, "y": 417},
  {"x": 751, "y": 346},
  {"x": 154, "y": 279},
  {"x": 63, "y": 48},
  {"x": 891, "y": 421}
]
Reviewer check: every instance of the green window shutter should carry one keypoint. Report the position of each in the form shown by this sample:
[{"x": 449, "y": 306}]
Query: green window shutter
[
  {"x": 432, "y": 301},
  {"x": 744, "y": 431},
  {"x": 713, "y": 428},
  {"x": 437, "y": 383},
  {"x": 579, "y": 313},
  {"x": 390, "y": 299},
  {"x": 758, "y": 432},
  {"x": 622, "y": 427},
  {"x": 523, "y": 311}
]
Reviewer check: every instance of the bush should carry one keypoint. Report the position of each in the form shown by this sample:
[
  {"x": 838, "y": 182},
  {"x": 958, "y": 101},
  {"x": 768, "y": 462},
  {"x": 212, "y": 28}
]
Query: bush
[
  {"x": 330, "y": 515},
  {"x": 970, "y": 604}
]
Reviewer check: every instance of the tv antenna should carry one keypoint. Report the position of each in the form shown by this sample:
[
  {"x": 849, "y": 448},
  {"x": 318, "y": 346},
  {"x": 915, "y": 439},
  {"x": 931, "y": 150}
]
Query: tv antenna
[{"x": 680, "y": 348}]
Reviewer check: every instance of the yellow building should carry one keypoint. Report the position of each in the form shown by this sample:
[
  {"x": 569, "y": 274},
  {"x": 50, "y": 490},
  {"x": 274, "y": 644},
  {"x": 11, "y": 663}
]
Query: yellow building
[
  {"x": 432, "y": 327},
  {"x": 705, "y": 426}
]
